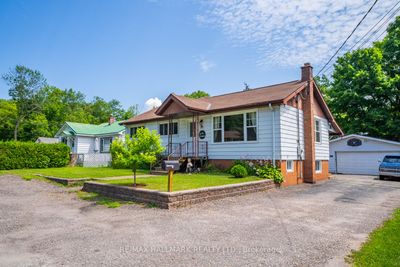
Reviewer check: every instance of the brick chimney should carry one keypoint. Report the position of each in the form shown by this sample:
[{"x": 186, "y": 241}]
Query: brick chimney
[
  {"x": 111, "y": 119},
  {"x": 306, "y": 72},
  {"x": 309, "y": 133}
]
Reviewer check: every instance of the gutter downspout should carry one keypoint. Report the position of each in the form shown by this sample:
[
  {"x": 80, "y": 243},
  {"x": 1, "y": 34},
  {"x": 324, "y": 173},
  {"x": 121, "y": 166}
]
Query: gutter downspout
[
  {"x": 299, "y": 150},
  {"x": 273, "y": 134}
]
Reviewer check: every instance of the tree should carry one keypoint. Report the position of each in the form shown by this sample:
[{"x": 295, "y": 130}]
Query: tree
[
  {"x": 197, "y": 94},
  {"x": 364, "y": 94},
  {"x": 35, "y": 126},
  {"x": 141, "y": 149},
  {"x": 391, "y": 66},
  {"x": 24, "y": 85},
  {"x": 8, "y": 111},
  {"x": 101, "y": 110}
]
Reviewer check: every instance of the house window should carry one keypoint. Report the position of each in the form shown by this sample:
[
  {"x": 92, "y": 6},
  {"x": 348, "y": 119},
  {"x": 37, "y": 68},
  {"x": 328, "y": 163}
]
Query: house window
[
  {"x": 233, "y": 128},
  {"x": 318, "y": 131},
  {"x": 191, "y": 129},
  {"x": 289, "y": 166},
  {"x": 133, "y": 130},
  {"x": 251, "y": 126},
  {"x": 105, "y": 144},
  {"x": 318, "y": 166},
  {"x": 173, "y": 128},
  {"x": 217, "y": 125}
]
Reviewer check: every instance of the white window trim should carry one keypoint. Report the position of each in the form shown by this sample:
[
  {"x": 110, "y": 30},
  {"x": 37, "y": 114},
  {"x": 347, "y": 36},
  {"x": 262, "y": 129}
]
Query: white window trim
[
  {"x": 292, "y": 168},
  {"x": 102, "y": 144},
  {"x": 320, "y": 130},
  {"x": 244, "y": 127},
  {"x": 320, "y": 166},
  {"x": 177, "y": 125}
]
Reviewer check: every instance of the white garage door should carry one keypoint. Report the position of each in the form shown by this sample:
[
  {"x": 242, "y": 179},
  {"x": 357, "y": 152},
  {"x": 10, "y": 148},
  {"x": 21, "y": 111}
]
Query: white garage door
[{"x": 359, "y": 162}]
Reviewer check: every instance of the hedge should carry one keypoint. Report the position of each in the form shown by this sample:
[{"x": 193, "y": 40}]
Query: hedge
[{"x": 28, "y": 155}]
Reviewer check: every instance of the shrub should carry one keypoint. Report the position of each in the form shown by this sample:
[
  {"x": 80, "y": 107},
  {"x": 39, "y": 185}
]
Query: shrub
[
  {"x": 270, "y": 172},
  {"x": 248, "y": 165},
  {"x": 238, "y": 171},
  {"x": 28, "y": 155}
]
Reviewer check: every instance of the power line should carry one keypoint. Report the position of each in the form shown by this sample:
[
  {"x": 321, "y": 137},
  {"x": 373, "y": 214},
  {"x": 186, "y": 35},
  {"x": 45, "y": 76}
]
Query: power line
[
  {"x": 385, "y": 23},
  {"x": 375, "y": 25},
  {"x": 345, "y": 41}
]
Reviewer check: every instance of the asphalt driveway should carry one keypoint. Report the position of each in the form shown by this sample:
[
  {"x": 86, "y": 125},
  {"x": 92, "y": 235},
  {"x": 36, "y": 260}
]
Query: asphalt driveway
[{"x": 306, "y": 225}]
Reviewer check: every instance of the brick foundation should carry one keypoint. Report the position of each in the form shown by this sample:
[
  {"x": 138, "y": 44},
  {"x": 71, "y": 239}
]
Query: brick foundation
[
  {"x": 292, "y": 178},
  {"x": 324, "y": 174}
]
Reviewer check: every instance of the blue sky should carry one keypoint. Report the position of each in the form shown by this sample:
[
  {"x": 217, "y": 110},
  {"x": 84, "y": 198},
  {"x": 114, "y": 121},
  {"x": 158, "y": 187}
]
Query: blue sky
[{"x": 135, "y": 50}]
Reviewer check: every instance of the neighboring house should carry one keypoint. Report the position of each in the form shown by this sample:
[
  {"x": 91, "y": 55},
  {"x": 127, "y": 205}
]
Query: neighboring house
[
  {"x": 357, "y": 154},
  {"x": 288, "y": 124},
  {"x": 90, "y": 143},
  {"x": 47, "y": 140}
]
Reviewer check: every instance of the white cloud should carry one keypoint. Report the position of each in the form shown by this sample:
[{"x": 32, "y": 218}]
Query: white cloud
[
  {"x": 287, "y": 32},
  {"x": 206, "y": 65},
  {"x": 151, "y": 103}
]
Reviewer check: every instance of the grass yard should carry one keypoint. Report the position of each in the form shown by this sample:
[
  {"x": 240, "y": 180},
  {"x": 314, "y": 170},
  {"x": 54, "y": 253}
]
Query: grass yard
[
  {"x": 72, "y": 172},
  {"x": 184, "y": 181},
  {"x": 382, "y": 247}
]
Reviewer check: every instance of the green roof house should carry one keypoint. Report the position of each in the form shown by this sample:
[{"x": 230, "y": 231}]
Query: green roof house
[{"x": 91, "y": 142}]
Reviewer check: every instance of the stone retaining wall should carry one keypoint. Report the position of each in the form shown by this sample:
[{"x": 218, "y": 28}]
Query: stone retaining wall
[
  {"x": 65, "y": 181},
  {"x": 177, "y": 199}
]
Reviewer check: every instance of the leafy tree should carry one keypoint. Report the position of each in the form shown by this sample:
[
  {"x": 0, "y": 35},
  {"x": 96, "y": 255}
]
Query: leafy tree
[
  {"x": 141, "y": 149},
  {"x": 24, "y": 85},
  {"x": 391, "y": 66},
  {"x": 101, "y": 110},
  {"x": 34, "y": 126},
  {"x": 364, "y": 94},
  {"x": 132, "y": 112},
  {"x": 8, "y": 111},
  {"x": 197, "y": 94},
  {"x": 358, "y": 96}
]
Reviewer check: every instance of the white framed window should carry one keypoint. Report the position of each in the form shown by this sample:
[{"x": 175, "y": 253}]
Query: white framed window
[
  {"x": 173, "y": 128},
  {"x": 217, "y": 126},
  {"x": 317, "y": 126},
  {"x": 105, "y": 144},
  {"x": 318, "y": 166},
  {"x": 289, "y": 166},
  {"x": 235, "y": 127},
  {"x": 251, "y": 126}
]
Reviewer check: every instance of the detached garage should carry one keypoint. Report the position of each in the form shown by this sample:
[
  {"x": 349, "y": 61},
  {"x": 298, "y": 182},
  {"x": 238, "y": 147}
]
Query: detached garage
[{"x": 357, "y": 154}]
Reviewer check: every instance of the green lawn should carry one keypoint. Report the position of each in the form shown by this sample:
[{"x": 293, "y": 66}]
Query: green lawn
[
  {"x": 382, "y": 247},
  {"x": 184, "y": 181},
  {"x": 72, "y": 172}
]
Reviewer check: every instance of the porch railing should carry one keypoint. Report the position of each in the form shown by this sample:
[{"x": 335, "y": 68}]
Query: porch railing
[{"x": 187, "y": 149}]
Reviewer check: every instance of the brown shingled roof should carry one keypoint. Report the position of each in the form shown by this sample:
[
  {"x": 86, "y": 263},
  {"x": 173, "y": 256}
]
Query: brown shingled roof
[{"x": 253, "y": 97}]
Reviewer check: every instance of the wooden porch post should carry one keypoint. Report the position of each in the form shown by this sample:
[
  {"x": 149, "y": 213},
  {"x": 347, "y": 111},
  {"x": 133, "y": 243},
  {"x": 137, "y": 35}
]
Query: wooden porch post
[{"x": 169, "y": 135}]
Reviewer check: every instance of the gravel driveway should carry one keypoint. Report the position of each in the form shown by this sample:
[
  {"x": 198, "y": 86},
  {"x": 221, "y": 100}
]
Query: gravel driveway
[{"x": 306, "y": 225}]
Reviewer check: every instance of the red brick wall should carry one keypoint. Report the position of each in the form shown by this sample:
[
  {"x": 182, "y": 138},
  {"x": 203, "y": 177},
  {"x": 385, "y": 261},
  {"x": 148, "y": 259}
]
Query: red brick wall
[
  {"x": 291, "y": 178},
  {"x": 324, "y": 174}
]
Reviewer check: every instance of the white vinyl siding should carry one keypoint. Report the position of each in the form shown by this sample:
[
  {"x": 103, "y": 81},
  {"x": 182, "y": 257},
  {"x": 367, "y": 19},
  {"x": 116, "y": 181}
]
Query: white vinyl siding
[
  {"x": 259, "y": 149},
  {"x": 322, "y": 148},
  {"x": 84, "y": 144},
  {"x": 363, "y": 159},
  {"x": 289, "y": 132}
]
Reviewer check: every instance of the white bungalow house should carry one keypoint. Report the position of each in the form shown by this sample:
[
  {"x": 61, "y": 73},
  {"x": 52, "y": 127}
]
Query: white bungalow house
[
  {"x": 89, "y": 143},
  {"x": 288, "y": 124}
]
